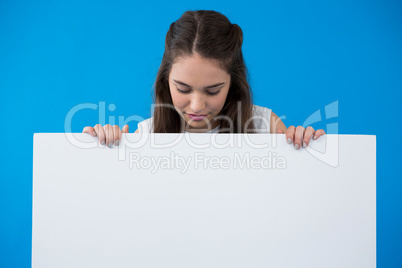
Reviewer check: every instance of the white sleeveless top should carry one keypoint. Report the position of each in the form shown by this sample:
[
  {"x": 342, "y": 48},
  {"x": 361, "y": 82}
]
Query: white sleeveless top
[{"x": 261, "y": 117}]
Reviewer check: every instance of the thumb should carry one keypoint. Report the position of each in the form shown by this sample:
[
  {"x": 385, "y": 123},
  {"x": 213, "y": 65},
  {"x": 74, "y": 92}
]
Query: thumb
[{"x": 125, "y": 129}]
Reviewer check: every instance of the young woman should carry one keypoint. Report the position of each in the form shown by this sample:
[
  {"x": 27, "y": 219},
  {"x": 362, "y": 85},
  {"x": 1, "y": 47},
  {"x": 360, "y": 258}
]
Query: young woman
[{"x": 202, "y": 86}]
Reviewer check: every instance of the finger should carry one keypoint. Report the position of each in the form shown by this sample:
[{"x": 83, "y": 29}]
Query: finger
[
  {"x": 125, "y": 129},
  {"x": 89, "y": 130},
  {"x": 319, "y": 133},
  {"x": 290, "y": 132},
  {"x": 100, "y": 133},
  {"x": 117, "y": 135},
  {"x": 109, "y": 135},
  {"x": 307, "y": 136},
  {"x": 299, "y": 137}
]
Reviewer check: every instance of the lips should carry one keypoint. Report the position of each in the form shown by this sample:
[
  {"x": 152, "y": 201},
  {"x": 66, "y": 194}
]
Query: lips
[{"x": 197, "y": 117}]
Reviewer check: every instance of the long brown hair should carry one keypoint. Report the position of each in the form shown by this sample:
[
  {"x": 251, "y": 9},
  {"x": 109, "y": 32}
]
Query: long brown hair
[{"x": 212, "y": 36}]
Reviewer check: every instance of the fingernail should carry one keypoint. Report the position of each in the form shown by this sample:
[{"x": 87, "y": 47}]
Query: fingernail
[
  {"x": 304, "y": 145},
  {"x": 110, "y": 144},
  {"x": 103, "y": 142},
  {"x": 315, "y": 137},
  {"x": 94, "y": 133},
  {"x": 297, "y": 146},
  {"x": 289, "y": 140},
  {"x": 117, "y": 143}
]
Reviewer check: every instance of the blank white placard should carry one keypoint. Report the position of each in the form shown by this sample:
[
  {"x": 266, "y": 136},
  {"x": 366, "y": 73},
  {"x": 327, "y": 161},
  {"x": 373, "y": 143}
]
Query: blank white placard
[{"x": 192, "y": 204}]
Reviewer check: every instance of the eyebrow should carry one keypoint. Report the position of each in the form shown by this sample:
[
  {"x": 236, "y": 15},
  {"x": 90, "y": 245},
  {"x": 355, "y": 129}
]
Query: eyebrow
[{"x": 212, "y": 86}]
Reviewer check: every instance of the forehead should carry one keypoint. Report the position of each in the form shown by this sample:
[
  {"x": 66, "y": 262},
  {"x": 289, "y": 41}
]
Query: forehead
[{"x": 196, "y": 69}]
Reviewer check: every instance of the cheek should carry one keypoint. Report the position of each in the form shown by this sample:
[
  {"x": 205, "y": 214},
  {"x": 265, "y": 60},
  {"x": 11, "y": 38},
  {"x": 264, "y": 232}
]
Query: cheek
[
  {"x": 179, "y": 100},
  {"x": 218, "y": 102}
]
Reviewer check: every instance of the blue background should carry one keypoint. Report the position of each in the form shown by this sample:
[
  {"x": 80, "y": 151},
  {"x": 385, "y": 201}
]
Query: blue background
[{"x": 301, "y": 57}]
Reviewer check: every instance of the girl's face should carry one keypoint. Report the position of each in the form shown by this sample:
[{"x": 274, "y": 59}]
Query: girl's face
[{"x": 198, "y": 87}]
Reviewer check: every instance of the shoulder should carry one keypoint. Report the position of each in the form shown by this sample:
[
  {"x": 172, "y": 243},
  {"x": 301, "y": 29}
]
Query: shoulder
[
  {"x": 261, "y": 111},
  {"x": 262, "y": 119},
  {"x": 266, "y": 121},
  {"x": 145, "y": 126}
]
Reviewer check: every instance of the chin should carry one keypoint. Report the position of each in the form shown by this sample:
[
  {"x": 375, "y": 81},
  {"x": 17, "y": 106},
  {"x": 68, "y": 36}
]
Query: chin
[{"x": 197, "y": 124}]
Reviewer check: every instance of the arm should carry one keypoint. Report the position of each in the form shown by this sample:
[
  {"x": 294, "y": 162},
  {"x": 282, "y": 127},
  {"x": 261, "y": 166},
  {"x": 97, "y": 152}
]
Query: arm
[{"x": 276, "y": 124}]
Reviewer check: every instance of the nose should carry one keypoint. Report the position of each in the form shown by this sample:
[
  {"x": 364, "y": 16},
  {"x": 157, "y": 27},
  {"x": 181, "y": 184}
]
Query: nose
[{"x": 197, "y": 103}]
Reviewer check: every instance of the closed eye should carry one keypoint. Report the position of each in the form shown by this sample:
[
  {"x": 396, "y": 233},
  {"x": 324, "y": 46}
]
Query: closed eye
[
  {"x": 183, "y": 91},
  {"x": 188, "y": 91},
  {"x": 213, "y": 93}
]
